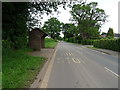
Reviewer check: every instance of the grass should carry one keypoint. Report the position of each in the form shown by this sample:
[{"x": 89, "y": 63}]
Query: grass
[
  {"x": 0, "y": 80},
  {"x": 93, "y": 48},
  {"x": 97, "y": 49},
  {"x": 50, "y": 43},
  {"x": 19, "y": 69}
]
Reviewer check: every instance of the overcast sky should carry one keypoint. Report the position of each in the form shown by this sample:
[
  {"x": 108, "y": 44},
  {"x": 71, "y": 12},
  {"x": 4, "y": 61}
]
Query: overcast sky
[{"x": 110, "y": 7}]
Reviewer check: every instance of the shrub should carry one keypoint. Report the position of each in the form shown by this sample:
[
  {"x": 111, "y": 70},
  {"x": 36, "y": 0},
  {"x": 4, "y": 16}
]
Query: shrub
[
  {"x": 87, "y": 42},
  {"x": 112, "y": 44}
]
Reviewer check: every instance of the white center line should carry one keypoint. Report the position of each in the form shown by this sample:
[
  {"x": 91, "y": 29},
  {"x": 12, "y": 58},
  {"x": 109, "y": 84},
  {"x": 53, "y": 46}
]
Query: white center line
[{"x": 112, "y": 72}]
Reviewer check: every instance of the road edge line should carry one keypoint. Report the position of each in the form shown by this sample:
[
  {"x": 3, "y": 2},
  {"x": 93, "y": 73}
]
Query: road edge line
[
  {"x": 48, "y": 72},
  {"x": 112, "y": 72}
]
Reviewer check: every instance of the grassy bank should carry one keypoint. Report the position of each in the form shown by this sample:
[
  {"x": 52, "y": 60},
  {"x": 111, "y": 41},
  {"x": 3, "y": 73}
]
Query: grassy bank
[
  {"x": 19, "y": 68},
  {"x": 50, "y": 43}
]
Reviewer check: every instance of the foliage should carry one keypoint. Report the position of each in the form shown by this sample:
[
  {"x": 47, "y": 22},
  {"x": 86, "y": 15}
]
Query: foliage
[
  {"x": 52, "y": 27},
  {"x": 19, "y": 17},
  {"x": 19, "y": 72},
  {"x": 50, "y": 43},
  {"x": 14, "y": 23},
  {"x": 112, "y": 44},
  {"x": 89, "y": 19},
  {"x": 87, "y": 42},
  {"x": 39, "y": 7},
  {"x": 69, "y": 30},
  {"x": 110, "y": 33}
]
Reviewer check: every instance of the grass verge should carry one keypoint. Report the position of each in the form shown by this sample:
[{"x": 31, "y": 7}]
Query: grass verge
[
  {"x": 93, "y": 48},
  {"x": 97, "y": 49},
  {"x": 19, "y": 69},
  {"x": 0, "y": 80},
  {"x": 50, "y": 43}
]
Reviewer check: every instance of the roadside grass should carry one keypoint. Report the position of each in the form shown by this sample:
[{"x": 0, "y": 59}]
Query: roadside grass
[
  {"x": 19, "y": 69},
  {"x": 0, "y": 80},
  {"x": 50, "y": 43},
  {"x": 97, "y": 49},
  {"x": 93, "y": 48}
]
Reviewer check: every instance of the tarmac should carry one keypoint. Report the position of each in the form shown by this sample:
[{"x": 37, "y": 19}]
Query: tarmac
[{"x": 110, "y": 52}]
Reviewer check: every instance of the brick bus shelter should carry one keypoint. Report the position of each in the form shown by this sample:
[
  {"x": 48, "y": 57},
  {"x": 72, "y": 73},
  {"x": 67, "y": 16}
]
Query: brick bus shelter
[{"x": 37, "y": 39}]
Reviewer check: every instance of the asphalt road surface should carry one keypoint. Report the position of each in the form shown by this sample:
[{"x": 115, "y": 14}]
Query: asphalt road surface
[{"x": 76, "y": 66}]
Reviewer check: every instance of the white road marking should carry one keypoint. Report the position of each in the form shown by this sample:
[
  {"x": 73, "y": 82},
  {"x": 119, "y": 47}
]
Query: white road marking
[
  {"x": 103, "y": 53},
  {"x": 70, "y": 54},
  {"x": 78, "y": 60},
  {"x": 112, "y": 72},
  {"x": 67, "y": 54},
  {"x": 74, "y": 60},
  {"x": 98, "y": 52},
  {"x": 48, "y": 72}
]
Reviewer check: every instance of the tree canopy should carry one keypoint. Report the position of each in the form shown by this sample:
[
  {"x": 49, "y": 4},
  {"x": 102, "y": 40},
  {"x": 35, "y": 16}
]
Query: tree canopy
[
  {"x": 110, "y": 33},
  {"x": 69, "y": 30},
  {"x": 17, "y": 19},
  {"x": 89, "y": 19},
  {"x": 52, "y": 27}
]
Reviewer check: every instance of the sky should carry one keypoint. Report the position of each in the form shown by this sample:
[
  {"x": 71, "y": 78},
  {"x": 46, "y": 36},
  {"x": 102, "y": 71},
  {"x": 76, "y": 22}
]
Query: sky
[{"x": 110, "y": 7}]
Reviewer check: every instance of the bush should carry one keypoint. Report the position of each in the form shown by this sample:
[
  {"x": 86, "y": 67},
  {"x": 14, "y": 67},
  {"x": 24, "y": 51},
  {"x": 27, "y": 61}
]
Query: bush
[
  {"x": 112, "y": 44},
  {"x": 87, "y": 42},
  {"x": 6, "y": 47}
]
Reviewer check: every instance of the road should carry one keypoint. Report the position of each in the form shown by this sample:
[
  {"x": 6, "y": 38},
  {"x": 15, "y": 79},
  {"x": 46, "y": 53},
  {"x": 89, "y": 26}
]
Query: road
[{"x": 76, "y": 66}]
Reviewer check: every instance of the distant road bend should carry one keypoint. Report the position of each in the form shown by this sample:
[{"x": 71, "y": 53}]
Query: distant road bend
[{"x": 75, "y": 66}]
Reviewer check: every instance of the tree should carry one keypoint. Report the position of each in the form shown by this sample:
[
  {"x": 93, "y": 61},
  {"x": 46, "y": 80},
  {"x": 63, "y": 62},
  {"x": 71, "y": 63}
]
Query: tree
[
  {"x": 14, "y": 23},
  {"x": 52, "y": 27},
  {"x": 69, "y": 30},
  {"x": 110, "y": 33},
  {"x": 17, "y": 19},
  {"x": 40, "y": 7},
  {"x": 88, "y": 18}
]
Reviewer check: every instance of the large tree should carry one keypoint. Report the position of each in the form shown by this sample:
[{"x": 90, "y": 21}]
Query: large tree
[
  {"x": 69, "y": 30},
  {"x": 17, "y": 19},
  {"x": 89, "y": 19},
  {"x": 14, "y": 26},
  {"x": 52, "y": 27},
  {"x": 110, "y": 33}
]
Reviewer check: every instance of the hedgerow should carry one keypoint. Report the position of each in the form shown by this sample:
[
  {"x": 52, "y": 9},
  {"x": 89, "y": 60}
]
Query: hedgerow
[{"x": 112, "y": 44}]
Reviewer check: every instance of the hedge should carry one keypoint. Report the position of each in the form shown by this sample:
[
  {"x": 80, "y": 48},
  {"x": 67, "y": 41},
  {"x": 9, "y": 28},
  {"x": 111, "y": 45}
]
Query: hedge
[
  {"x": 112, "y": 44},
  {"x": 87, "y": 42}
]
